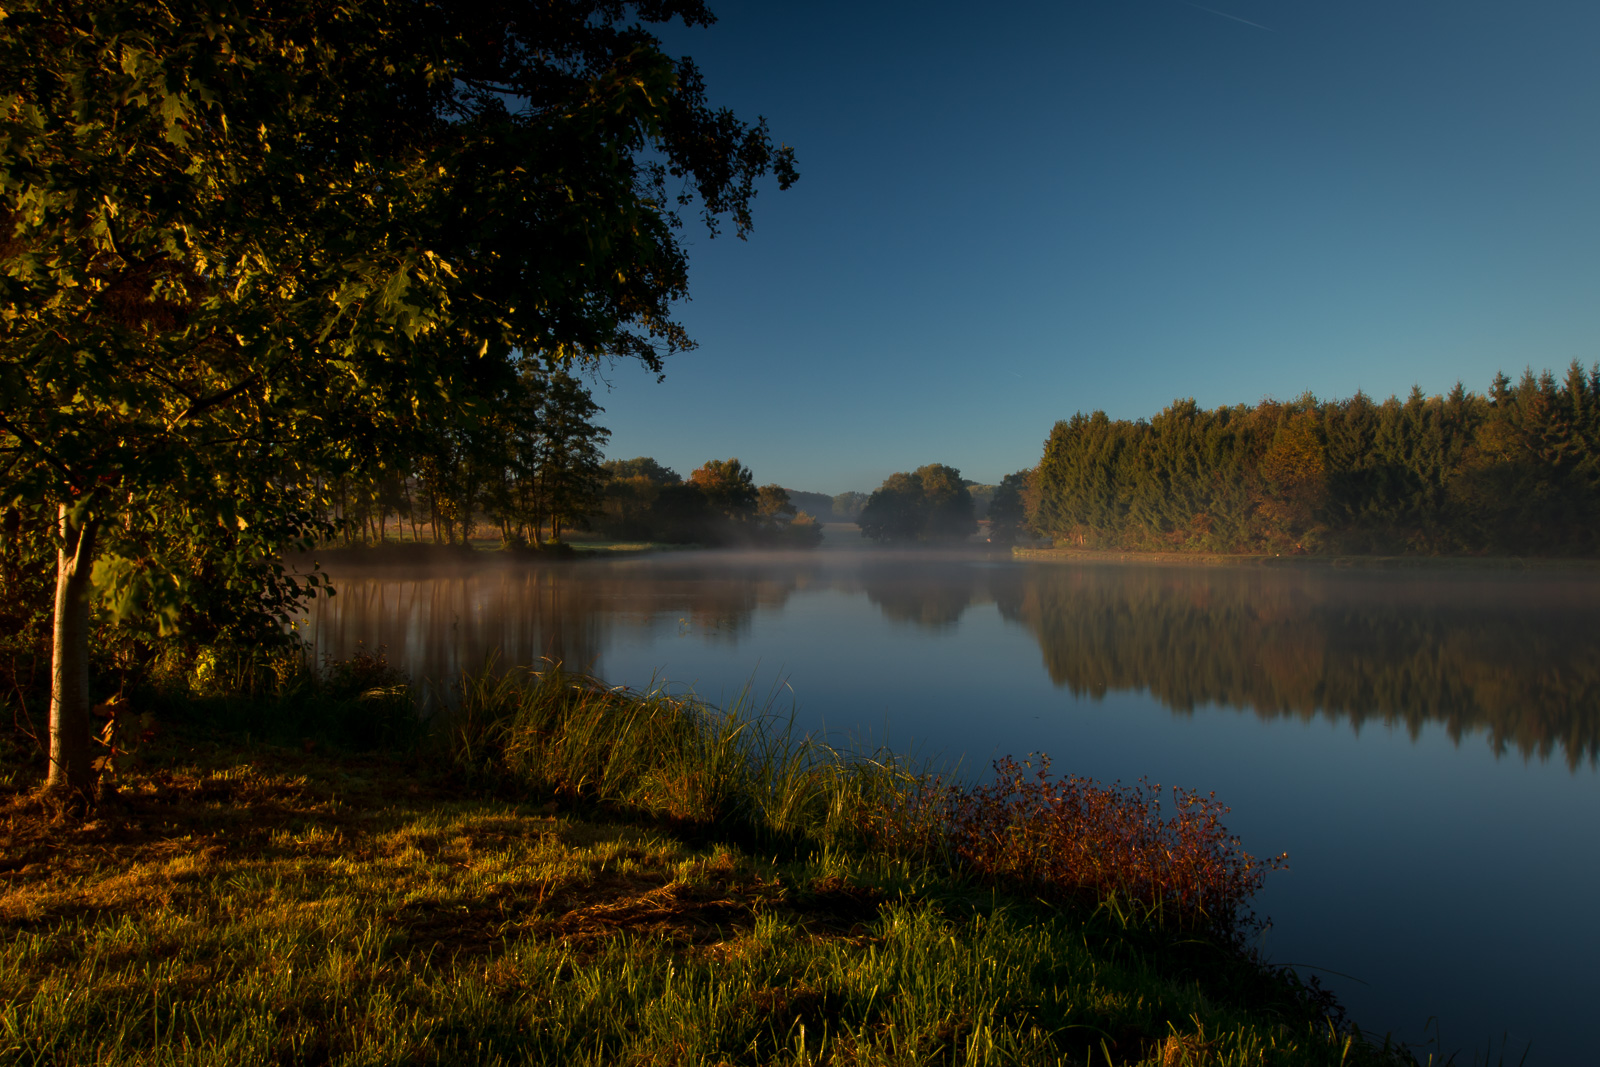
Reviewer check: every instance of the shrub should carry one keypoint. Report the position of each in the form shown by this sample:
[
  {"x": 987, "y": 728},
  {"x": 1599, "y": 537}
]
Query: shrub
[{"x": 1069, "y": 837}]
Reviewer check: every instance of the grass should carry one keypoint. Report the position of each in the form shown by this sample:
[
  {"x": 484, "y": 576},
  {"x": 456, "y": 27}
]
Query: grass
[{"x": 562, "y": 872}]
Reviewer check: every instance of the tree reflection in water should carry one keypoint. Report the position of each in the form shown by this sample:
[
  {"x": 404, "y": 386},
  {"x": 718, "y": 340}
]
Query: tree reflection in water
[
  {"x": 448, "y": 620},
  {"x": 1510, "y": 654}
]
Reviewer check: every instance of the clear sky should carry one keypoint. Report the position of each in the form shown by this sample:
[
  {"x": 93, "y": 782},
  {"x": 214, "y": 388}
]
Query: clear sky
[{"x": 1009, "y": 213}]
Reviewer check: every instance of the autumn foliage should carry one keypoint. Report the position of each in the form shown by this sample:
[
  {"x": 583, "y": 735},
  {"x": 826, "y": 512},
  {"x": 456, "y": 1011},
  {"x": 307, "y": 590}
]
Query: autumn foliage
[{"x": 1067, "y": 839}]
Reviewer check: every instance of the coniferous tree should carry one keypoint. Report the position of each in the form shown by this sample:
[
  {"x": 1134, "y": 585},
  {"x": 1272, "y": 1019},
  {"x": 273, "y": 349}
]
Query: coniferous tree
[{"x": 1516, "y": 471}]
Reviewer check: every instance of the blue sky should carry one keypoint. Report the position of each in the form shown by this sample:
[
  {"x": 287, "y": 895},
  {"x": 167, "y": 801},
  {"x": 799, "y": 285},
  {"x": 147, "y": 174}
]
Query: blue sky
[{"x": 1008, "y": 214}]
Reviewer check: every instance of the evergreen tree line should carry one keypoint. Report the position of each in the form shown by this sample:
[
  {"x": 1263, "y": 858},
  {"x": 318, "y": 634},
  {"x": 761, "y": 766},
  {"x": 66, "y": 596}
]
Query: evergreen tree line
[{"x": 1514, "y": 472}]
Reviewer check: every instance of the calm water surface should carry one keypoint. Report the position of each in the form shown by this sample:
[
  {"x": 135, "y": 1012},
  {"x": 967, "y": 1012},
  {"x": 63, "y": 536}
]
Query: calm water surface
[{"x": 1423, "y": 745}]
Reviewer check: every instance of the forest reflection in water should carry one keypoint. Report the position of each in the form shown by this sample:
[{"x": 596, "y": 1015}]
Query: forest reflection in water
[{"x": 1510, "y": 654}]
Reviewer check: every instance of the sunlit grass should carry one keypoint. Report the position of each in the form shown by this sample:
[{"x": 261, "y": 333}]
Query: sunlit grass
[{"x": 580, "y": 874}]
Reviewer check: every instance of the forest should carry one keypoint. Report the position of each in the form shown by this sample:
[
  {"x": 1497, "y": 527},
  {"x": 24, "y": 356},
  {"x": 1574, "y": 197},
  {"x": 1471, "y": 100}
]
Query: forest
[{"x": 1512, "y": 472}]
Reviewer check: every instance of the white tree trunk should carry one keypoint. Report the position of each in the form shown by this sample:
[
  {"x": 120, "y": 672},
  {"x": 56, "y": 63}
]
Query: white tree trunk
[{"x": 71, "y": 760}]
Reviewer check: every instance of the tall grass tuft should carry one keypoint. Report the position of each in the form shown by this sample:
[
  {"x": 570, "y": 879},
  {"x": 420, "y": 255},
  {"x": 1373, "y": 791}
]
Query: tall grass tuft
[{"x": 567, "y": 735}]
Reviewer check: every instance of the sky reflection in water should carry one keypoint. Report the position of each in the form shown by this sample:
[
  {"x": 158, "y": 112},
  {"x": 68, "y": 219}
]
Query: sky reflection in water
[{"x": 1424, "y": 745}]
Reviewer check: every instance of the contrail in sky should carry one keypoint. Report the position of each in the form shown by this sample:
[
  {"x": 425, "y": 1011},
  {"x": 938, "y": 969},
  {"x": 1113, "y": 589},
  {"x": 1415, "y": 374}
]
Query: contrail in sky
[{"x": 1224, "y": 14}]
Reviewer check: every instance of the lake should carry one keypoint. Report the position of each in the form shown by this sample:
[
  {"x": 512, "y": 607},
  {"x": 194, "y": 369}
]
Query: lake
[{"x": 1422, "y": 742}]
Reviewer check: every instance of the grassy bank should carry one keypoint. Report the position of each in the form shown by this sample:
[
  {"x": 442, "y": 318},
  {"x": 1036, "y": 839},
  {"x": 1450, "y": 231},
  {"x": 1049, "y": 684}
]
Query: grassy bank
[{"x": 559, "y": 872}]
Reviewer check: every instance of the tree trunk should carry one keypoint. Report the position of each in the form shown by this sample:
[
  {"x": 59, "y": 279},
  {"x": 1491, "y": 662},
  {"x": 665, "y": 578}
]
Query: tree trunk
[
  {"x": 71, "y": 763},
  {"x": 411, "y": 512}
]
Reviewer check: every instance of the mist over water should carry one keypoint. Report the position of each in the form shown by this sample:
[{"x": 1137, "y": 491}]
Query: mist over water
[{"x": 1424, "y": 744}]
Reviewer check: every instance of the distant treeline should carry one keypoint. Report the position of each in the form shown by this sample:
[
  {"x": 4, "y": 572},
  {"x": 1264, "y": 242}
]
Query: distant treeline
[
  {"x": 719, "y": 504},
  {"x": 1513, "y": 472}
]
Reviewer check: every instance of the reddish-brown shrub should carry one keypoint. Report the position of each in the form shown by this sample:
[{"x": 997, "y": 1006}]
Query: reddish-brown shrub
[{"x": 1065, "y": 838}]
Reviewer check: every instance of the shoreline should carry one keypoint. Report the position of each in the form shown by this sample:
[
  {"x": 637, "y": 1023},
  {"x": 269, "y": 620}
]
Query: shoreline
[
  {"x": 427, "y": 890},
  {"x": 1114, "y": 557},
  {"x": 406, "y": 553}
]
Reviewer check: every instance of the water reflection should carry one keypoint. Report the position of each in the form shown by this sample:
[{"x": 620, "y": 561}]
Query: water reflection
[
  {"x": 452, "y": 618},
  {"x": 930, "y": 595},
  {"x": 1510, "y": 655}
]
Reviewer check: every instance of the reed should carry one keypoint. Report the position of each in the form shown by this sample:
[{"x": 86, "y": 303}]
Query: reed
[{"x": 568, "y": 736}]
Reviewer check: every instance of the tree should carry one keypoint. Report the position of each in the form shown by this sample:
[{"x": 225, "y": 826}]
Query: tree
[
  {"x": 894, "y": 511},
  {"x": 729, "y": 487},
  {"x": 630, "y": 493},
  {"x": 1007, "y": 509},
  {"x": 773, "y": 506},
  {"x": 569, "y": 456},
  {"x": 929, "y": 504},
  {"x": 641, "y": 467},
  {"x": 950, "y": 514},
  {"x": 241, "y": 243}
]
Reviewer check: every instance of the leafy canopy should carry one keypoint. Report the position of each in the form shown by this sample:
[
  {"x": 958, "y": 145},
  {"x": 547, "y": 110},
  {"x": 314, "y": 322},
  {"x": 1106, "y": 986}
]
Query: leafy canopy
[{"x": 240, "y": 243}]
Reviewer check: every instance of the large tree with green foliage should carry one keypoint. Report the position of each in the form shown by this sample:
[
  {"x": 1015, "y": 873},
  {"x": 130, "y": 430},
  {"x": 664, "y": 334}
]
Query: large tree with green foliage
[
  {"x": 242, "y": 242},
  {"x": 929, "y": 504}
]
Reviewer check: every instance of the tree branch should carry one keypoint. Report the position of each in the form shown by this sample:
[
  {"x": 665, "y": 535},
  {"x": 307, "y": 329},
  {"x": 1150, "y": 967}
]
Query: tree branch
[
  {"x": 49, "y": 457},
  {"x": 217, "y": 398}
]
